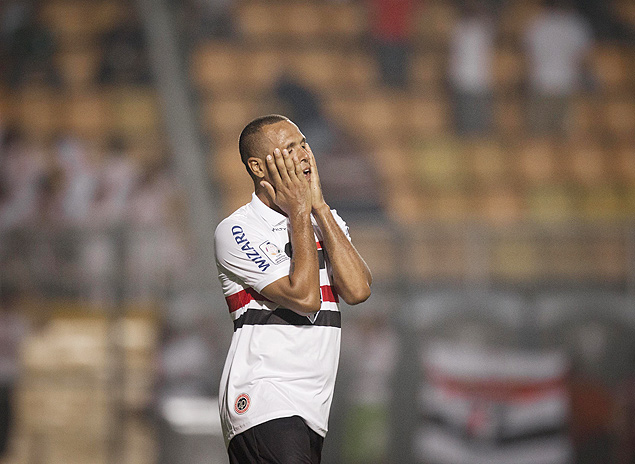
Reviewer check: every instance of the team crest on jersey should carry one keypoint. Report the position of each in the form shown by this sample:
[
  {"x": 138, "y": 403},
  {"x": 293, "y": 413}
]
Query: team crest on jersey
[
  {"x": 242, "y": 403},
  {"x": 271, "y": 251}
]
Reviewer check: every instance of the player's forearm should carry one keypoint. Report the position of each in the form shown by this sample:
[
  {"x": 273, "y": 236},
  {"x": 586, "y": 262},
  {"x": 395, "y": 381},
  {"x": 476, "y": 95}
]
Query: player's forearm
[
  {"x": 304, "y": 277},
  {"x": 351, "y": 275}
]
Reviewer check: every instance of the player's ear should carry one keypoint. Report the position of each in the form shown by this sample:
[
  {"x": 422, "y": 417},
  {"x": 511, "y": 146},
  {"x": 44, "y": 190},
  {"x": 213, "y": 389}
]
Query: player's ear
[{"x": 256, "y": 166}]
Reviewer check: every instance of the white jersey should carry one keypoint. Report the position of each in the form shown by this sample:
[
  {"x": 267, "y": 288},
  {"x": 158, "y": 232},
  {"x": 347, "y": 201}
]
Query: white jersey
[{"x": 280, "y": 363}]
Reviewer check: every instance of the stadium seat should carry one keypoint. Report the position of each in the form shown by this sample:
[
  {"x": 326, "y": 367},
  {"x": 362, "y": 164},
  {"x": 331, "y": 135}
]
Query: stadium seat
[
  {"x": 434, "y": 22},
  {"x": 78, "y": 68},
  {"x": 508, "y": 69},
  {"x": 514, "y": 258},
  {"x": 303, "y": 21},
  {"x": 375, "y": 116},
  {"x": 625, "y": 10},
  {"x": 619, "y": 116},
  {"x": 429, "y": 115},
  {"x": 438, "y": 254},
  {"x": 514, "y": 17},
  {"x": 602, "y": 202},
  {"x": 536, "y": 161},
  {"x": 226, "y": 166},
  {"x": 106, "y": 14},
  {"x": 88, "y": 114},
  {"x": 610, "y": 66},
  {"x": 549, "y": 203},
  {"x": 610, "y": 253},
  {"x": 258, "y": 21},
  {"x": 509, "y": 116},
  {"x": 264, "y": 66},
  {"x": 376, "y": 244},
  {"x": 586, "y": 161},
  {"x": 228, "y": 116},
  {"x": 361, "y": 72},
  {"x": 135, "y": 111},
  {"x": 500, "y": 205},
  {"x": 69, "y": 20},
  {"x": 426, "y": 71},
  {"x": 37, "y": 111},
  {"x": 583, "y": 117},
  {"x": 622, "y": 164},
  {"x": 439, "y": 164},
  {"x": 215, "y": 67},
  {"x": 489, "y": 162},
  {"x": 345, "y": 20},
  {"x": 319, "y": 69}
]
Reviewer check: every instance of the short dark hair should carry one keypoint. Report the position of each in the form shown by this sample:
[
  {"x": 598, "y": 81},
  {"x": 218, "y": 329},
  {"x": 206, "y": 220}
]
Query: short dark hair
[{"x": 247, "y": 143}]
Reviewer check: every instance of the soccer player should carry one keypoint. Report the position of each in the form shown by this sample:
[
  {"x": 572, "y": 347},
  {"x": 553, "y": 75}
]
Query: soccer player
[{"x": 284, "y": 261}]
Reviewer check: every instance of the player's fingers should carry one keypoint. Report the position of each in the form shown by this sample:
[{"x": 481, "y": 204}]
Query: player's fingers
[
  {"x": 288, "y": 161},
  {"x": 272, "y": 168},
  {"x": 281, "y": 164}
]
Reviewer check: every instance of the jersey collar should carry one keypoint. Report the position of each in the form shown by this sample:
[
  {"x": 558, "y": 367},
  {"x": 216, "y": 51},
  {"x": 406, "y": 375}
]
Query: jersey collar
[{"x": 272, "y": 217}]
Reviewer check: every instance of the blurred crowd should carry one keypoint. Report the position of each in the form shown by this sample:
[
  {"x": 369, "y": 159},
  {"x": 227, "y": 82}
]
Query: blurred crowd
[
  {"x": 65, "y": 200},
  {"x": 78, "y": 194},
  {"x": 70, "y": 185},
  {"x": 29, "y": 48}
]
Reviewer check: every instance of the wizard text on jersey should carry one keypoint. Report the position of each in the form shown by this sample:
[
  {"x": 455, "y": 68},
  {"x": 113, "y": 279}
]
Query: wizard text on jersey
[{"x": 252, "y": 254}]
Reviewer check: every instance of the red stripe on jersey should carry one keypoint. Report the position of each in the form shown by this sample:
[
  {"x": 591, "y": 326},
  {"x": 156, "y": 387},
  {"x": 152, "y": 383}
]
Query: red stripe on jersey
[
  {"x": 242, "y": 298},
  {"x": 329, "y": 294},
  {"x": 319, "y": 245}
]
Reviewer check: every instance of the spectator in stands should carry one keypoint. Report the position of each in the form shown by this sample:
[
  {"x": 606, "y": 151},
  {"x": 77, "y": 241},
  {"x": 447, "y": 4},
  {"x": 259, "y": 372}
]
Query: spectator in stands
[
  {"x": 22, "y": 168},
  {"x": 470, "y": 69},
  {"x": 156, "y": 253},
  {"x": 208, "y": 19},
  {"x": 30, "y": 47},
  {"x": 606, "y": 24},
  {"x": 12, "y": 332},
  {"x": 348, "y": 176},
  {"x": 117, "y": 179},
  {"x": 13, "y": 14},
  {"x": 391, "y": 28},
  {"x": 305, "y": 108},
  {"x": 557, "y": 43},
  {"x": 185, "y": 362},
  {"x": 124, "y": 59},
  {"x": 80, "y": 177}
]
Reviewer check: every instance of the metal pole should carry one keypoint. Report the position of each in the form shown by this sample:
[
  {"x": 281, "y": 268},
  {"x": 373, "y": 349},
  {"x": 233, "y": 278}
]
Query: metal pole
[{"x": 116, "y": 360}]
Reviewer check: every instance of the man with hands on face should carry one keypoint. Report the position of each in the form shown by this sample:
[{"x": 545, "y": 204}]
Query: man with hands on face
[{"x": 284, "y": 261}]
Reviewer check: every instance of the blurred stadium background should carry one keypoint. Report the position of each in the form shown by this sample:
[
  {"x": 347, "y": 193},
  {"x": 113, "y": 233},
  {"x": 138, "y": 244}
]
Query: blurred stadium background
[{"x": 483, "y": 154}]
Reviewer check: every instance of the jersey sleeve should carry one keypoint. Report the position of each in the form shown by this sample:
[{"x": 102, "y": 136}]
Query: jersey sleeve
[
  {"x": 249, "y": 255},
  {"x": 341, "y": 223}
]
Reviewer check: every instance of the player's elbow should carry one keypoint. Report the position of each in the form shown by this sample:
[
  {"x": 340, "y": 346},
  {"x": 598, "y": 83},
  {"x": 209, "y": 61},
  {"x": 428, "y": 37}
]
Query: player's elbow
[
  {"x": 311, "y": 303},
  {"x": 357, "y": 295}
]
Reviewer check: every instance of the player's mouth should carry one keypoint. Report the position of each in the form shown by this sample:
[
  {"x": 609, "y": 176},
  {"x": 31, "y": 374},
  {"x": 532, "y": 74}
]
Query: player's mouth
[{"x": 307, "y": 173}]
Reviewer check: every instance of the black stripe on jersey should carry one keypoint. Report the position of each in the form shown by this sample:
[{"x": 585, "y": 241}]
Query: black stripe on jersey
[{"x": 284, "y": 316}]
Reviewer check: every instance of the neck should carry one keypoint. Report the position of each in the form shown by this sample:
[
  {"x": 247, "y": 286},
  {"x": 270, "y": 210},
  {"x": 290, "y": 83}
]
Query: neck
[{"x": 266, "y": 199}]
